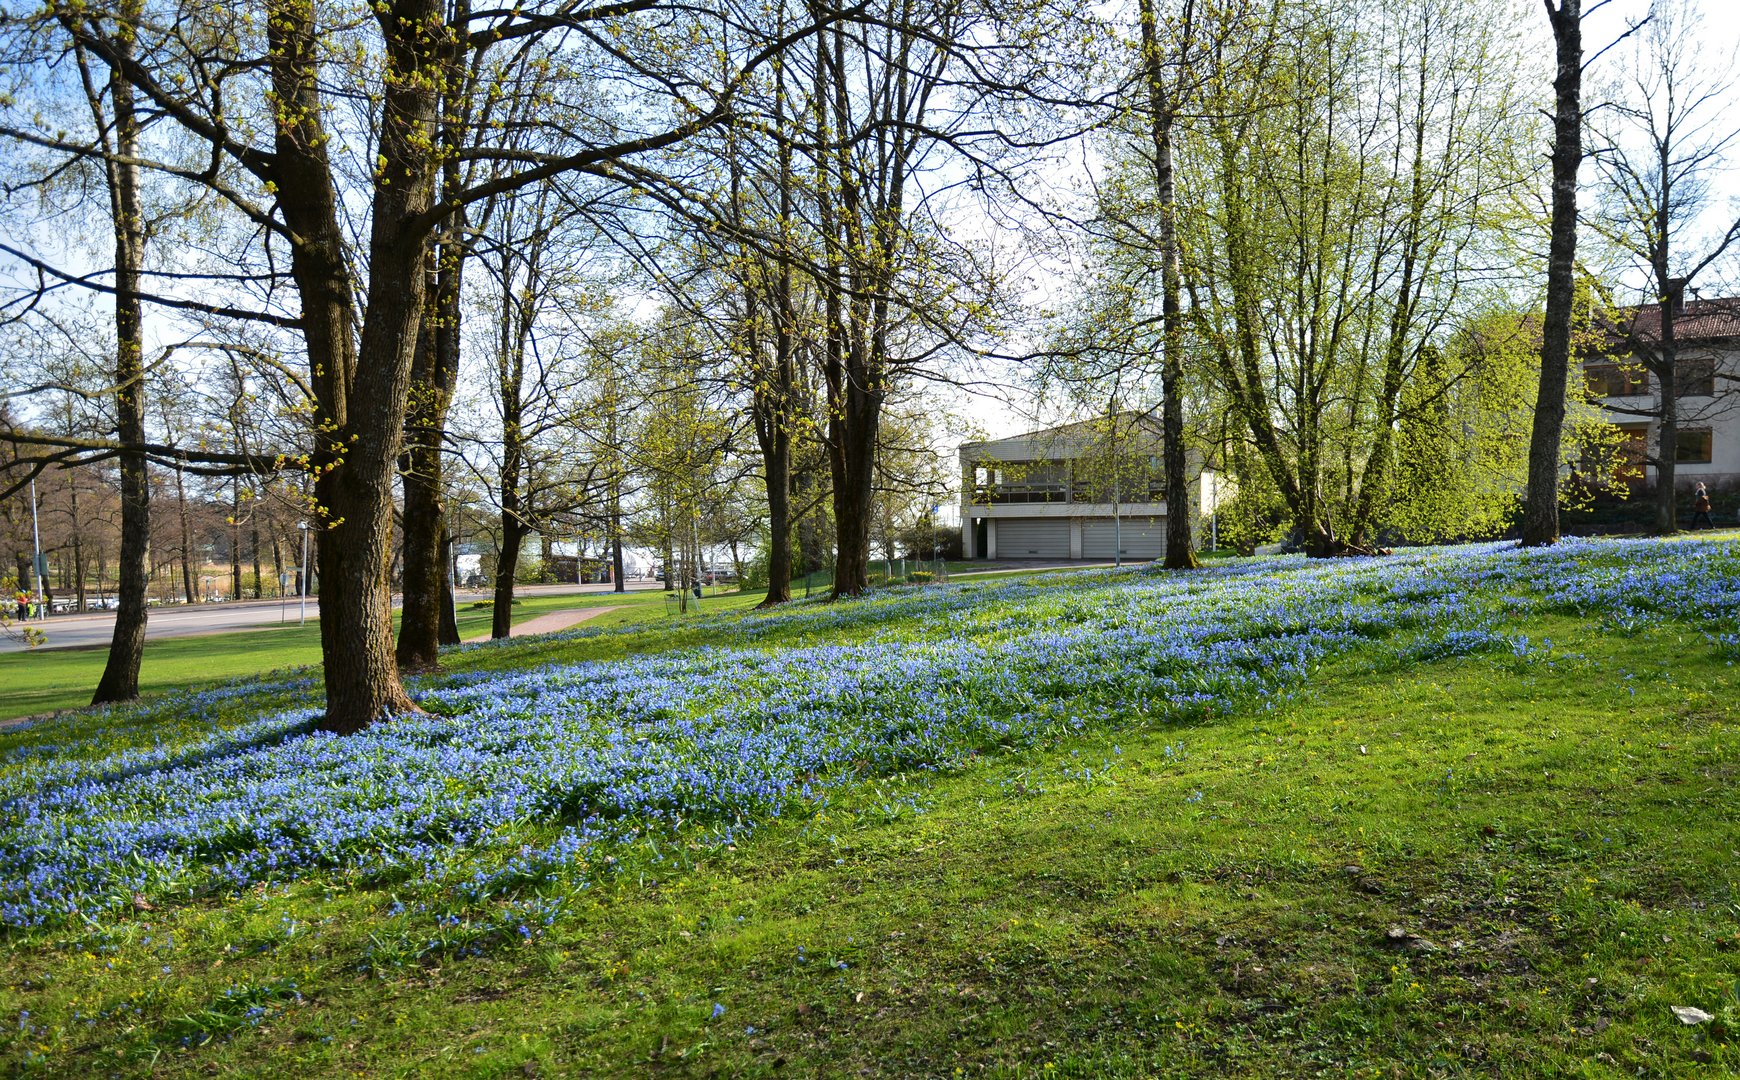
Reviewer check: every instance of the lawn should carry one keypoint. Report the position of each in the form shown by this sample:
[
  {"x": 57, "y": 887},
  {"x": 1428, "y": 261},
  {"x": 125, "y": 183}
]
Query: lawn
[
  {"x": 51, "y": 679},
  {"x": 1447, "y": 813}
]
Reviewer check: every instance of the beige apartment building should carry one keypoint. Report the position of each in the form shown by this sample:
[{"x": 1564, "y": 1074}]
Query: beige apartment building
[{"x": 1093, "y": 491}]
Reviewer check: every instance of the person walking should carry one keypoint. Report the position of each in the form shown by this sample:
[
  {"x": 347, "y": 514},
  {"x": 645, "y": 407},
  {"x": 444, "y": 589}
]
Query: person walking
[
  {"x": 1701, "y": 507},
  {"x": 22, "y": 599}
]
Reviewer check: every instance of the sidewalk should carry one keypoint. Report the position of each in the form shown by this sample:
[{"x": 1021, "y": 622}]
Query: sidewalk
[{"x": 551, "y": 622}]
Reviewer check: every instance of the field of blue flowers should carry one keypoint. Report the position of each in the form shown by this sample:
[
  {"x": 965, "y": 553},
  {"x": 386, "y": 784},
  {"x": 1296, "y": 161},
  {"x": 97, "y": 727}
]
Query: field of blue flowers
[{"x": 511, "y": 778}]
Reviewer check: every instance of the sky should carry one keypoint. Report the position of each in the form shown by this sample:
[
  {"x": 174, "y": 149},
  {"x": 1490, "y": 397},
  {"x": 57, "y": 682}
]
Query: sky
[{"x": 998, "y": 415}]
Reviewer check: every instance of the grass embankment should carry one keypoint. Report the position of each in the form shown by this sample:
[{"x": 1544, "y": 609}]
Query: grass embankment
[
  {"x": 46, "y": 680},
  {"x": 1507, "y": 863}
]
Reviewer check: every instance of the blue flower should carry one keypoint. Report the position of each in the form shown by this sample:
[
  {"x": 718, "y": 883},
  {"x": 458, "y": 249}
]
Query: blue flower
[{"x": 227, "y": 788}]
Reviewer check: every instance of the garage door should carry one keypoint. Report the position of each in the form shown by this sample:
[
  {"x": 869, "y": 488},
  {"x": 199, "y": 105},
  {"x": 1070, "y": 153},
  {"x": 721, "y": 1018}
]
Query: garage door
[
  {"x": 1032, "y": 538},
  {"x": 1143, "y": 538}
]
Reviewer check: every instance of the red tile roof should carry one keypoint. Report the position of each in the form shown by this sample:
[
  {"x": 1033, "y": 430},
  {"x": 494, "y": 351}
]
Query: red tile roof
[{"x": 1701, "y": 321}]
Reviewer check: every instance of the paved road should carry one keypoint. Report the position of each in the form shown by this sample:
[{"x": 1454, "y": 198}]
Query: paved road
[{"x": 94, "y": 630}]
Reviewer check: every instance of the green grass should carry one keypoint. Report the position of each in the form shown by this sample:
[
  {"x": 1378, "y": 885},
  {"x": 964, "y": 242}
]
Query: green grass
[
  {"x": 1551, "y": 838},
  {"x": 52, "y": 679},
  {"x": 820, "y": 581},
  {"x": 46, "y": 680}
]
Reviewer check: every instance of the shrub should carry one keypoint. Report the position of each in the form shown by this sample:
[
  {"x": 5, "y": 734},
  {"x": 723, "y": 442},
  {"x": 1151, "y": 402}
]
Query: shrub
[{"x": 916, "y": 541}]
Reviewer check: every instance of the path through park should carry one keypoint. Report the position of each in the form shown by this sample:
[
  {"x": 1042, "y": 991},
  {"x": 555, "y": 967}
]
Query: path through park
[{"x": 551, "y": 622}]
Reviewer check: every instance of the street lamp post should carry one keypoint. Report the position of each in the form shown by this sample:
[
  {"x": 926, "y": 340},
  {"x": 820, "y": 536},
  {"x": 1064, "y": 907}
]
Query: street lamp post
[{"x": 303, "y": 618}]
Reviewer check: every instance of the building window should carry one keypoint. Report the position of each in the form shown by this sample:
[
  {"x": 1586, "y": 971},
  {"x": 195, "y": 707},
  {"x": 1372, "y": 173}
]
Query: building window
[
  {"x": 1616, "y": 380},
  {"x": 1693, "y": 446},
  {"x": 1021, "y": 482},
  {"x": 1695, "y": 378}
]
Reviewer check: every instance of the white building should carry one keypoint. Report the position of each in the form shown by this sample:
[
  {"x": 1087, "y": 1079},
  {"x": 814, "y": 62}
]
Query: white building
[
  {"x": 1707, "y": 385},
  {"x": 1080, "y": 491}
]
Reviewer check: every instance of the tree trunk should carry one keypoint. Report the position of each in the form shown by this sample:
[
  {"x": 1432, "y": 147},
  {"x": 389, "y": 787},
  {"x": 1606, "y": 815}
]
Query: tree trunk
[
  {"x": 78, "y": 573},
  {"x": 513, "y": 527},
  {"x": 860, "y": 240},
  {"x": 809, "y": 526},
  {"x": 427, "y": 588},
  {"x": 449, "y": 615},
  {"x": 235, "y": 539},
  {"x": 77, "y": 541},
  {"x": 513, "y": 534},
  {"x": 1541, "y": 508},
  {"x": 360, "y": 385},
  {"x": 853, "y": 466},
  {"x": 1180, "y": 541},
  {"x": 771, "y": 408},
  {"x": 776, "y": 456},
  {"x": 1668, "y": 440},
  {"x": 427, "y": 604},
  {"x": 120, "y": 679},
  {"x": 774, "y": 397},
  {"x": 855, "y": 393},
  {"x": 616, "y": 570},
  {"x": 186, "y": 534}
]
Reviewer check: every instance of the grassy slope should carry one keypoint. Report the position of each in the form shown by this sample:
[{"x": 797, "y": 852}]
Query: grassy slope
[
  {"x": 53, "y": 679},
  {"x": 42, "y": 681},
  {"x": 1553, "y": 835}
]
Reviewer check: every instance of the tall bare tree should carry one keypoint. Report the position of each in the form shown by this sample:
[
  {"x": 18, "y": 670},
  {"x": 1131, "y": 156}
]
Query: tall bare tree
[
  {"x": 1164, "y": 101},
  {"x": 120, "y": 142},
  {"x": 1660, "y": 143},
  {"x": 894, "y": 289},
  {"x": 1540, "y": 525},
  {"x": 360, "y": 338},
  {"x": 1348, "y": 186}
]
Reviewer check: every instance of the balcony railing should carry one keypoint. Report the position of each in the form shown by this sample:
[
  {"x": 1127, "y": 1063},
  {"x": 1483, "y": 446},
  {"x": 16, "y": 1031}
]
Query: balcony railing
[
  {"x": 1016, "y": 494},
  {"x": 1004, "y": 494},
  {"x": 1151, "y": 493}
]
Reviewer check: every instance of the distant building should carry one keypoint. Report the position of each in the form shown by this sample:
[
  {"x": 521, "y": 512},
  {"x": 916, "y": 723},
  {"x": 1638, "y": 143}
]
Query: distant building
[
  {"x": 1707, "y": 389},
  {"x": 1079, "y": 491}
]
